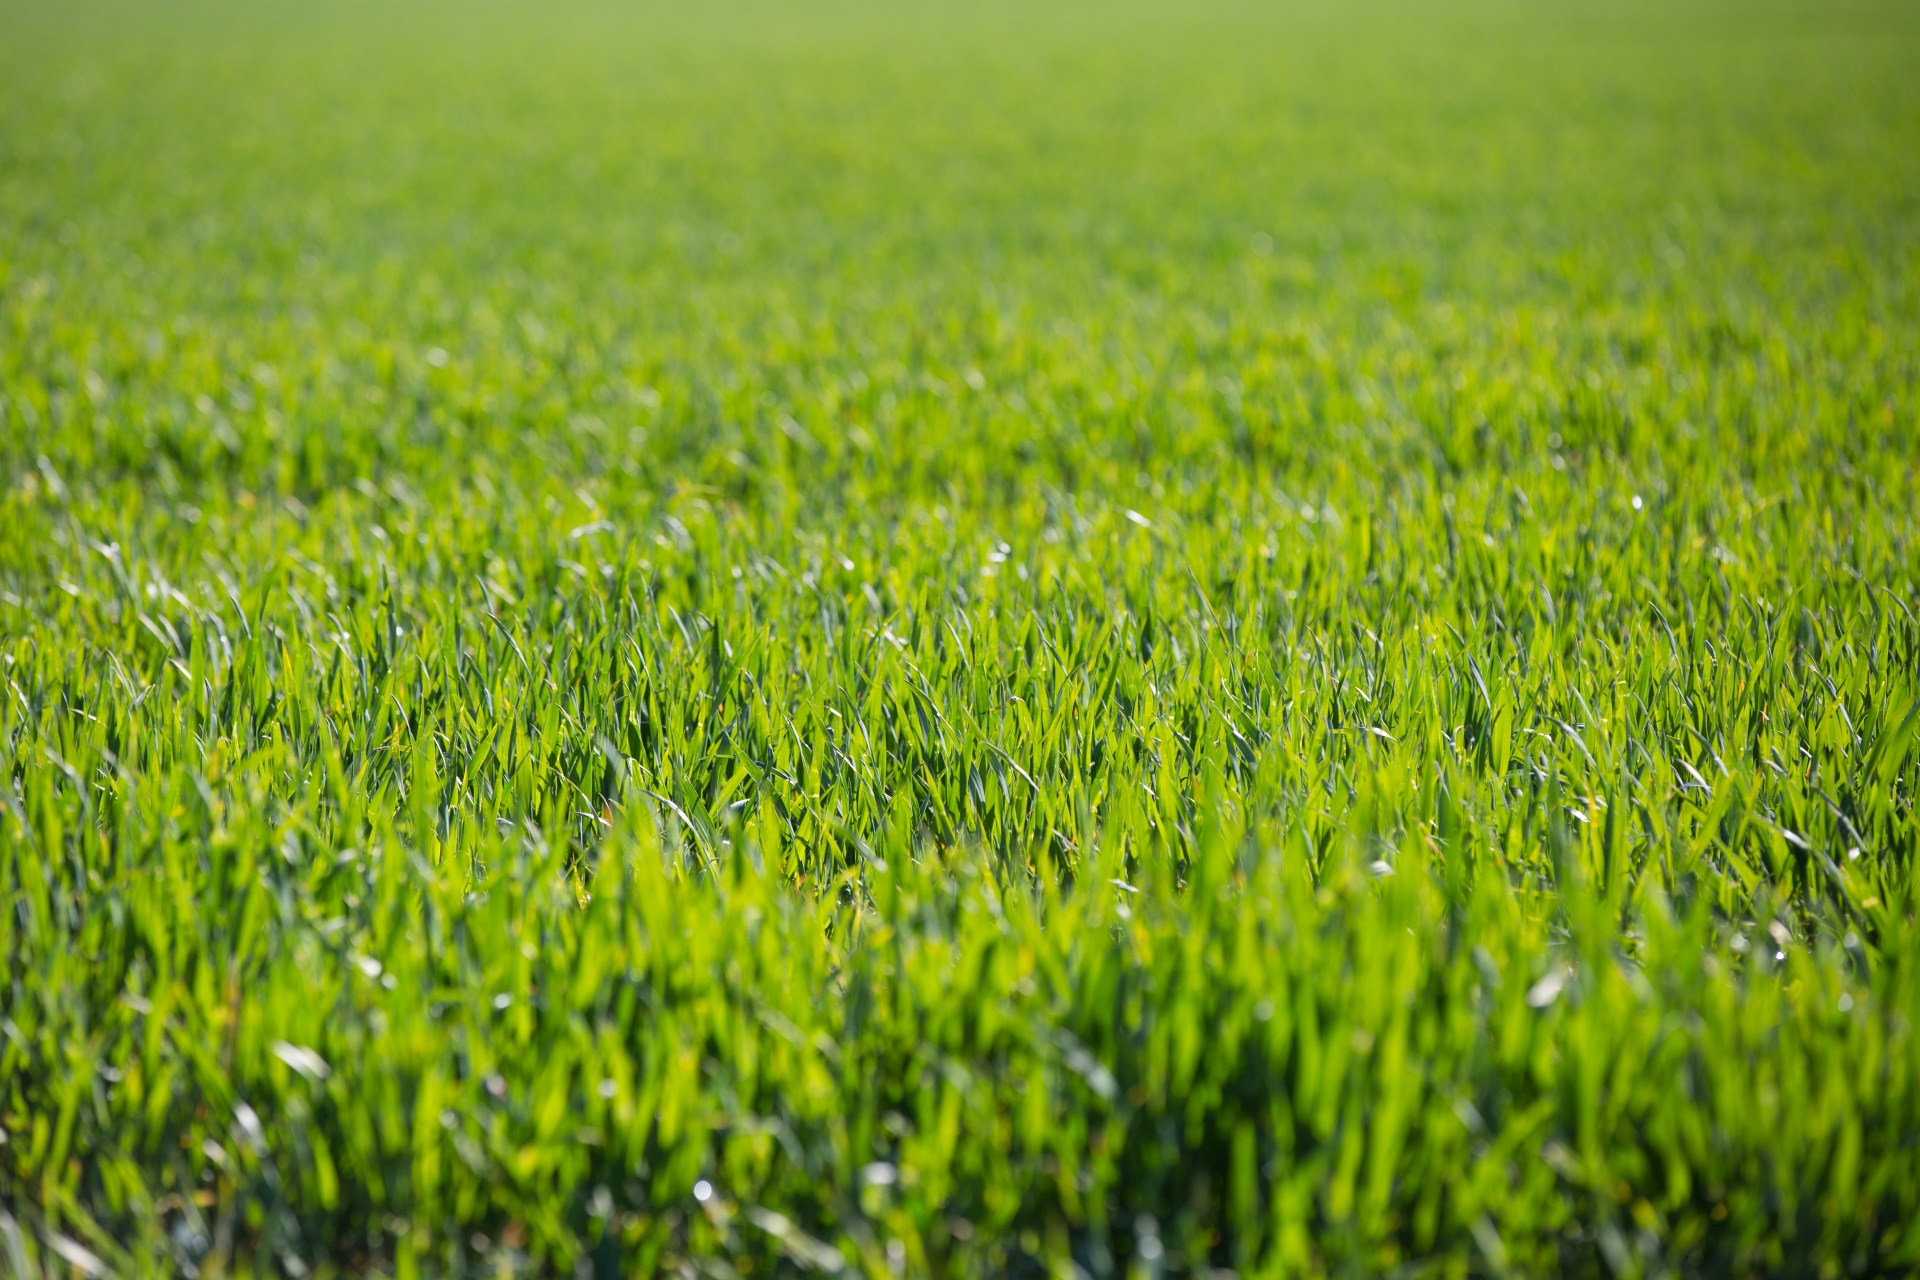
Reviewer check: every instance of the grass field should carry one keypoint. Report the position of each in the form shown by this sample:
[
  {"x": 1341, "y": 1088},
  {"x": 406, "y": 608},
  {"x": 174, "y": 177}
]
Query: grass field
[{"x": 960, "y": 641}]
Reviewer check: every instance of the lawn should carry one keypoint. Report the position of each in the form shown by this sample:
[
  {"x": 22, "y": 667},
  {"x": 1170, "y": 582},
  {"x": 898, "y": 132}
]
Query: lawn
[{"x": 959, "y": 640}]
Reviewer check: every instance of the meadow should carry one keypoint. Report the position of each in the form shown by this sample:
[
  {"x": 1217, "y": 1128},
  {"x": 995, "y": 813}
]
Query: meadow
[{"x": 959, "y": 641}]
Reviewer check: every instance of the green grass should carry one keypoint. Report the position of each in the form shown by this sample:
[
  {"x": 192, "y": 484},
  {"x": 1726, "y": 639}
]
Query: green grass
[{"x": 960, "y": 642}]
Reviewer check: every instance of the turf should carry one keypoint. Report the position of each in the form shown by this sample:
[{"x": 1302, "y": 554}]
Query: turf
[{"x": 958, "y": 642}]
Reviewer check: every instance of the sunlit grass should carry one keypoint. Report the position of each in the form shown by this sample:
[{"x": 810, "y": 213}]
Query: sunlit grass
[{"x": 959, "y": 644}]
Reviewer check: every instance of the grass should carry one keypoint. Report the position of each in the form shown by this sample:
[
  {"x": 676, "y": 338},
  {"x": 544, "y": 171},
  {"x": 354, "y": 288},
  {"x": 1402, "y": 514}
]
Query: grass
[{"x": 956, "y": 643}]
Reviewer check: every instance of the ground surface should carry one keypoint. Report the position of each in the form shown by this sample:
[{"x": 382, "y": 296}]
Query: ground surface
[{"x": 952, "y": 643}]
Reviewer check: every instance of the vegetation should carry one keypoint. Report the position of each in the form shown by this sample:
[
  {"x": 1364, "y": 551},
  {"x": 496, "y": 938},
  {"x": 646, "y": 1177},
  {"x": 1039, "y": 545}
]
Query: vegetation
[{"x": 944, "y": 642}]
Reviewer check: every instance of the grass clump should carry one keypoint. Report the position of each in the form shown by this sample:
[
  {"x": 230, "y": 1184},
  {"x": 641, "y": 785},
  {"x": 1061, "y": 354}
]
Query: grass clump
[{"x": 946, "y": 643}]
